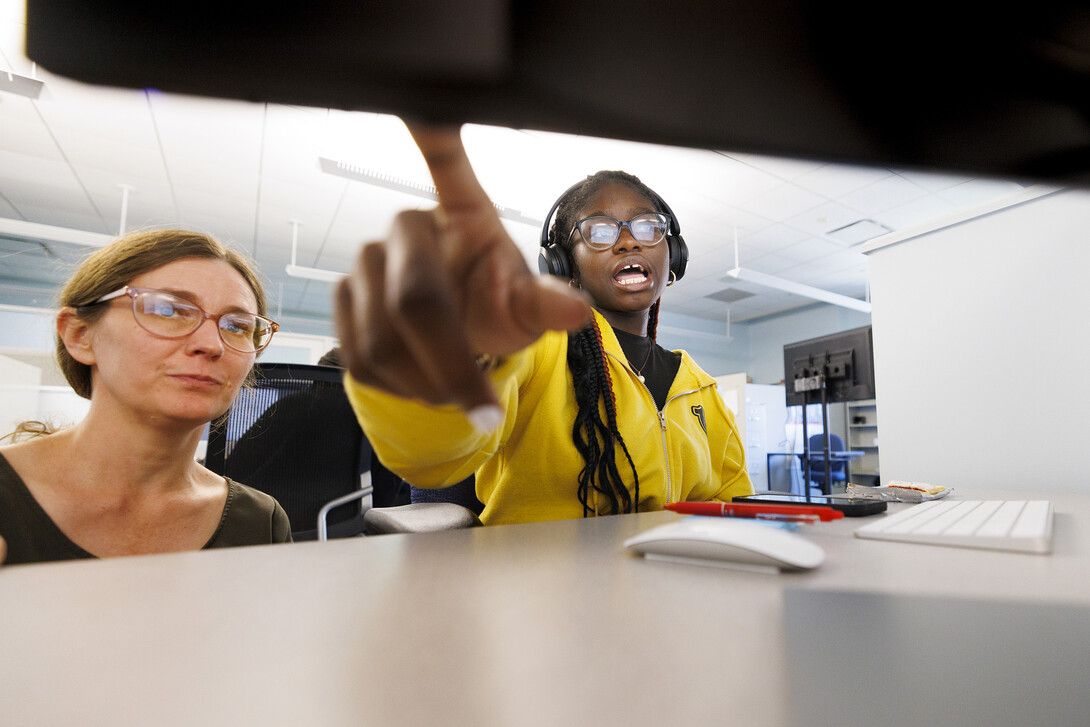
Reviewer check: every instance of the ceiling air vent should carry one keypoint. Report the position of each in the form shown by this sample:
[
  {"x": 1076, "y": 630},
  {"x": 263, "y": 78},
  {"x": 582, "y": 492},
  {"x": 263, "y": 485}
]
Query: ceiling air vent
[
  {"x": 858, "y": 232},
  {"x": 730, "y": 295}
]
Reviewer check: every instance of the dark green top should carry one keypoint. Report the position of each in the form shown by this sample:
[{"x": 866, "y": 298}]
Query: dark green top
[{"x": 249, "y": 517}]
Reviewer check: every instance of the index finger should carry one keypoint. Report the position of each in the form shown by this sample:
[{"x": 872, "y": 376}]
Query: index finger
[{"x": 460, "y": 192}]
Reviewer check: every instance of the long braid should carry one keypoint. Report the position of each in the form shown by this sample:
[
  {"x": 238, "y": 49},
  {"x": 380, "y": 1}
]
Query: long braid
[
  {"x": 609, "y": 465},
  {"x": 587, "y": 423},
  {"x": 597, "y": 439}
]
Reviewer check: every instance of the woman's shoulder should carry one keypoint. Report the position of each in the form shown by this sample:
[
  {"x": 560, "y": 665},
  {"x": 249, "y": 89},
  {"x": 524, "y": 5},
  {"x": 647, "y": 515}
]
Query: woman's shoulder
[
  {"x": 250, "y": 517},
  {"x": 25, "y": 454},
  {"x": 249, "y": 498}
]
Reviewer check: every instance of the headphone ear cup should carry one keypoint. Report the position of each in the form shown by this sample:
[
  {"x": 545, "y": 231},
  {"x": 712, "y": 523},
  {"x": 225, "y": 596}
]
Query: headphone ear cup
[
  {"x": 679, "y": 255},
  {"x": 554, "y": 260}
]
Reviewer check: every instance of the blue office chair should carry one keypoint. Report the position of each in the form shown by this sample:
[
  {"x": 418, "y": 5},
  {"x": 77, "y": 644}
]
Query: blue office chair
[{"x": 837, "y": 465}]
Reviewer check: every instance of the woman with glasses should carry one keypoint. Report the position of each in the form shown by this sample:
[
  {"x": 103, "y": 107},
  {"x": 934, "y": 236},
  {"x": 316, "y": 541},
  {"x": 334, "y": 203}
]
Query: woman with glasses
[
  {"x": 459, "y": 361},
  {"x": 158, "y": 330}
]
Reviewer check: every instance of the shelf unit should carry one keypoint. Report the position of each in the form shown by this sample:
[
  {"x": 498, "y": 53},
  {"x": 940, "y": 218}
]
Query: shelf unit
[{"x": 862, "y": 427}]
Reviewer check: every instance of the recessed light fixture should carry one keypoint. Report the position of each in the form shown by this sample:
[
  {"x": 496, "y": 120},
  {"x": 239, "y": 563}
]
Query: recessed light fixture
[
  {"x": 858, "y": 232},
  {"x": 730, "y": 295}
]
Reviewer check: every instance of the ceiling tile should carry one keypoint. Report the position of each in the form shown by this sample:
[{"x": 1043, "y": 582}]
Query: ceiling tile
[
  {"x": 832, "y": 180},
  {"x": 892, "y": 191},
  {"x": 811, "y": 249},
  {"x": 974, "y": 192},
  {"x": 785, "y": 202},
  {"x": 780, "y": 167},
  {"x": 919, "y": 210},
  {"x": 821, "y": 219}
]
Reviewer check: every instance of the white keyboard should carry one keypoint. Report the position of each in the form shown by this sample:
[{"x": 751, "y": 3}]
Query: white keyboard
[{"x": 1024, "y": 525}]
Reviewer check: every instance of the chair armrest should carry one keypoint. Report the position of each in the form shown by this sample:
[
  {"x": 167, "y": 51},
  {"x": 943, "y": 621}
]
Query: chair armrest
[
  {"x": 323, "y": 514},
  {"x": 419, "y": 517}
]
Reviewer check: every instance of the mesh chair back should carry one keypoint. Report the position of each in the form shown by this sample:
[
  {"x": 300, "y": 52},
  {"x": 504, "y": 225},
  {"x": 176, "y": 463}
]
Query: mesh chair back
[{"x": 293, "y": 435}]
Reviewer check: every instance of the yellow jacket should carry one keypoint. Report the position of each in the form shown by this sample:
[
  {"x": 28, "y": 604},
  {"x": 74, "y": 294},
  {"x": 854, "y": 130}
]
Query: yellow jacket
[{"x": 526, "y": 470}]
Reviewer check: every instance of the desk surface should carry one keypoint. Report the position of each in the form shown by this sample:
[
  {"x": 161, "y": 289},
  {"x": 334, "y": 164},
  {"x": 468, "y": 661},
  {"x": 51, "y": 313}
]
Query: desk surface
[{"x": 537, "y": 624}]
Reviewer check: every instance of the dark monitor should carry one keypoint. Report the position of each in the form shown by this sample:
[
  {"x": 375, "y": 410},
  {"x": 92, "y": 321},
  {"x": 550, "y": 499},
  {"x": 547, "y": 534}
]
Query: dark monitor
[
  {"x": 841, "y": 363},
  {"x": 977, "y": 90}
]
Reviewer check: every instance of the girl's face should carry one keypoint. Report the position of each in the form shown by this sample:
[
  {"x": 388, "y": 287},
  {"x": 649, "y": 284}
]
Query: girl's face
[
  {"x": 629, "y": 276},
  {"x": 189, "y": 380}
]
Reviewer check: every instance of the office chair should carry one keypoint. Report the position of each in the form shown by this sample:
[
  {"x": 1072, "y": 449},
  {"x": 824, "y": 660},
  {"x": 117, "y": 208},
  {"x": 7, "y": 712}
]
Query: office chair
[
  {"x": 294, "y": 436},
  {"x": 445, "y": 508},
  {"x": 462, "y": 493},
  {"x": 837, "y": 465},
  {"x": 428, "y": 511}
]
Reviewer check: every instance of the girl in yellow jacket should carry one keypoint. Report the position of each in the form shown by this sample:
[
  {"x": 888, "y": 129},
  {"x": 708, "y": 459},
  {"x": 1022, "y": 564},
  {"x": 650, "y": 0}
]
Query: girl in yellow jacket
[{"x": 456, "y": 364}]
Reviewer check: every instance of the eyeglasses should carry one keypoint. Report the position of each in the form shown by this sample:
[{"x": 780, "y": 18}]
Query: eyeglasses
[
  {"x": 165, "y": 314},
  {"x": 601, "y": 232}
]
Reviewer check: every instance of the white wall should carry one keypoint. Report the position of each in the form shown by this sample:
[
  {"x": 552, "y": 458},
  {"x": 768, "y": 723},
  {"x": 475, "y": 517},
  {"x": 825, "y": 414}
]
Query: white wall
[
  {"x": 981, "y": 347},
  {"x": 705, "y": 340}
]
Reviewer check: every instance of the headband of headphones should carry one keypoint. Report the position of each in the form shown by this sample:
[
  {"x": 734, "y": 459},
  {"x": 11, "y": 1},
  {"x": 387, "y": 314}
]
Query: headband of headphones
[{"x": 553, "y": 259}]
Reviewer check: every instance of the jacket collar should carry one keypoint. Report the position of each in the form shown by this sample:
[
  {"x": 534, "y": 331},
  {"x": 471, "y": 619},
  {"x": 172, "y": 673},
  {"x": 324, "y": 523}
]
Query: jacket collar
[{"x": 689, "y": 374}]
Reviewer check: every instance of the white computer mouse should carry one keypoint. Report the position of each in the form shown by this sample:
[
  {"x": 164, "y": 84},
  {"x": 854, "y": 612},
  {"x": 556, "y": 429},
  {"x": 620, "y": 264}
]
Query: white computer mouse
[{"x": 729, "y": 542}]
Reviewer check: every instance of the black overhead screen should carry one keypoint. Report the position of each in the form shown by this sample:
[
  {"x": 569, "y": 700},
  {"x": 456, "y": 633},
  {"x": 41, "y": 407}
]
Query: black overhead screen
[{"x": 1001, "y": 91}]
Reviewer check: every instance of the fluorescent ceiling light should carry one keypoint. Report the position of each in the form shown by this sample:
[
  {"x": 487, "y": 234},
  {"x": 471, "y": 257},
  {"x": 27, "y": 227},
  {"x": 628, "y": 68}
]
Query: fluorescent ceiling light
[
  {"x": 326, "y": 276},
  {"x": 790, "y": 286},
  {"x": 359, "y": 174},
  {"x": 299, "y": 271},
  {"x": 49, "y": 233},
  {"x": 21, "y": 85}
]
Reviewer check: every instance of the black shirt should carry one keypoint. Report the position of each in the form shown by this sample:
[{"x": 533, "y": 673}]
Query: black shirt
[
  {"x": 657, "y": 365},
  {"x": 249, "y": 518}
]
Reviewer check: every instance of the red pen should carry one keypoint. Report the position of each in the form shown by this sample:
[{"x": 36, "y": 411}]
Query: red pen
[{"x": 792, "y": 513}]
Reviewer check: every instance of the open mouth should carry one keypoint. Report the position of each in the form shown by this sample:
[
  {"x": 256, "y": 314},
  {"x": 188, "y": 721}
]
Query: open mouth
[{"x": 632, "y": 274}]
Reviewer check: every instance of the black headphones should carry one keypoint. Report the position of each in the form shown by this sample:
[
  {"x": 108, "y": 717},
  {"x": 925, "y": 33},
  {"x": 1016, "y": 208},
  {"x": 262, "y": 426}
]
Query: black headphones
[{"x": 553, "y": 259}]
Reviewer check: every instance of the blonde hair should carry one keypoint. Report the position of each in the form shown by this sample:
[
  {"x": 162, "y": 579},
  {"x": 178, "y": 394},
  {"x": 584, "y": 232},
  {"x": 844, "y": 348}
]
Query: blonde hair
[{"x": 115, "y": 265}]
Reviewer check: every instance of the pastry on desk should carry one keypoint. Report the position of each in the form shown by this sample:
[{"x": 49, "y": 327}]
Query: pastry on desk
[{"x": 899, "y": 491}]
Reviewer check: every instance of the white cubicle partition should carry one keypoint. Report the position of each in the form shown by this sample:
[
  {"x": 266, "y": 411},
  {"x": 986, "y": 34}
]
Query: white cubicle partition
[
  {"x": 760, "y": 411},
  {"x": 19, "y": 384},
  {"x": 981, "y": 345}
]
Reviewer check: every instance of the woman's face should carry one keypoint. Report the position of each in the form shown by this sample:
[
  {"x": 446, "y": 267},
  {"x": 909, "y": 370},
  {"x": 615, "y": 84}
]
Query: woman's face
[
  {"x": 188, "y": 380},
  {"x": 627, "y": 277}
]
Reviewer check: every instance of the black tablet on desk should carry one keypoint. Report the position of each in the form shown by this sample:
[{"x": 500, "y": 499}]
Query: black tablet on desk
[{"x": 850, "y": 507}]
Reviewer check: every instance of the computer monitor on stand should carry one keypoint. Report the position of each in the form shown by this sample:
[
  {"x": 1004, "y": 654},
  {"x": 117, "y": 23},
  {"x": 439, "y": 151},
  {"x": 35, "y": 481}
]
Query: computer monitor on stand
[{"x": 834, "y": 368}]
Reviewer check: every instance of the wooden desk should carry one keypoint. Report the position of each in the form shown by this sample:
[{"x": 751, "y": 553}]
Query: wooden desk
[{"x": 538, "y": 624}]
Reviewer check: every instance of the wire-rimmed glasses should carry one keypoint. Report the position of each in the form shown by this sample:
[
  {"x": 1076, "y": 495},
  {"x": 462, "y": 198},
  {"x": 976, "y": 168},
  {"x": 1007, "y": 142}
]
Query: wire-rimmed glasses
[{"x": 170, "y": 316}]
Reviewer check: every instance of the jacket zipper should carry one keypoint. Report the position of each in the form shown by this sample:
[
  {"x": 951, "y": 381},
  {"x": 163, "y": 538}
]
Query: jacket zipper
[
  {"x": 662, "y": 422},
  {"x": 665, "y": 451}
]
